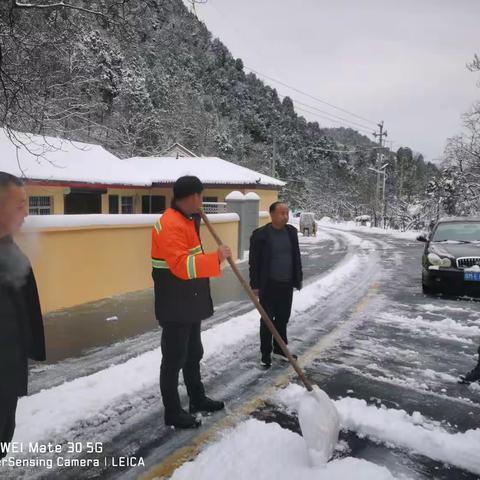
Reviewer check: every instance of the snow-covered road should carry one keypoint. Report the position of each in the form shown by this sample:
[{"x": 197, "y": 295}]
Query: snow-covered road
[{"x": 365, "y": 334}]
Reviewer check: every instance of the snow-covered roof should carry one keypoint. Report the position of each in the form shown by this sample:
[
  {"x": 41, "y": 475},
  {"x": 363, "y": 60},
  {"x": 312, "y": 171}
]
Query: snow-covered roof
[
  {"x": 54, "y": 159},
  {"x": 210, "y": 170},
  {"x": 43, "y": 158}
]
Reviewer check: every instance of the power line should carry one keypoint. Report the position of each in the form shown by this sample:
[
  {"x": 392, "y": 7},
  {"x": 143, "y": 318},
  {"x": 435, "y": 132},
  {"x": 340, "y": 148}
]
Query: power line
[
  {"x": 330, "y": 119},
  {"x": 311, "y": 96},
  {"x": 298, "y": 90},
  {"x": 351, "y": 122}
]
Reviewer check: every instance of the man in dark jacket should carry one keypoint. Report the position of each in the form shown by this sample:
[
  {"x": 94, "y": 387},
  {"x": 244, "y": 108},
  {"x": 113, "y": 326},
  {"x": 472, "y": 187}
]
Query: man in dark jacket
[
  {"x": 275, "y": 270},
  {"x": 21, "y": 325},
  {"x": 181, "y": 273}
]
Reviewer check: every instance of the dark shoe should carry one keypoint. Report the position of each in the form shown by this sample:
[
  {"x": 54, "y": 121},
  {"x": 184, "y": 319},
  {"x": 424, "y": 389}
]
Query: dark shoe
[
  {"x": 182, "y": 419},
  {"x": 281, "y": 356},
  {"x": 206, "y": 405},
  {"x": 266, "y": 360},
  {"x": 471, "y": 376}
]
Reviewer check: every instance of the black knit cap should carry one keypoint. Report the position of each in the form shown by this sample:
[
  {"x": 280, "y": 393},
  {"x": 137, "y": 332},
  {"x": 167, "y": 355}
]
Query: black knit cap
[{"x": 186, "y": 186}]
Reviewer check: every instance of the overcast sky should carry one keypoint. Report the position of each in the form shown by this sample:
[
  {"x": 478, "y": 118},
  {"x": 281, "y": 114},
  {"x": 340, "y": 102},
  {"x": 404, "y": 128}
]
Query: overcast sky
[{"x": 401, "y": 61}]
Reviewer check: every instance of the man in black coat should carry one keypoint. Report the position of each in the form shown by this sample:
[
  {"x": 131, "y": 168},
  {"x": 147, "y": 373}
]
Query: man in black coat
[
  {"x": 21, "y": 324},
  {"x": 275, "y": 270}
]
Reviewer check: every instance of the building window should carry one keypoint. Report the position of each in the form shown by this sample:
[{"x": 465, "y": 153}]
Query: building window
[
  {"x": 153, "y": 204},
  {"x": 127, "y": 204},
  {"x": 113, "y": 204},
  {"x": 40, "y": 205},
  {"x": 210, "y": 199}
]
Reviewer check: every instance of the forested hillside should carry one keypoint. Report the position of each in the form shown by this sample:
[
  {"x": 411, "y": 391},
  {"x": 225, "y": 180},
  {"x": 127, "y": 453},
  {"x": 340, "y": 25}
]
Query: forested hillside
[{"x": 137, "y": 75}]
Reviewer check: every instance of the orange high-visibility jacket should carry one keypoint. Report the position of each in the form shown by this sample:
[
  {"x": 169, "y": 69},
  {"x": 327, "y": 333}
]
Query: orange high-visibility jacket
[
  {"x": 181, "y": 270},
  {"x": 176, "y": 246}
]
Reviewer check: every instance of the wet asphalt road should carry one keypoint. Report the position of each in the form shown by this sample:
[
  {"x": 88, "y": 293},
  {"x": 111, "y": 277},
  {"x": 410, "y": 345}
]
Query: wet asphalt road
[{"x": 407, "y": 353}]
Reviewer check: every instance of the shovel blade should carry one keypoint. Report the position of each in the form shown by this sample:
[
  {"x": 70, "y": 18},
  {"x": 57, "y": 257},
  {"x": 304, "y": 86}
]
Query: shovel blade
[{"x": 320, "y": 424}]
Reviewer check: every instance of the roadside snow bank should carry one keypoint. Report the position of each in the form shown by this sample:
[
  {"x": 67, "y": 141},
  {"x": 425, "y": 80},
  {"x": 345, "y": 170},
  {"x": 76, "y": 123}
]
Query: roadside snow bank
[
  {"x": 264, "y": 451},
  {"x": 391, "y": 426},
  {"x": 352, "y": 227}
]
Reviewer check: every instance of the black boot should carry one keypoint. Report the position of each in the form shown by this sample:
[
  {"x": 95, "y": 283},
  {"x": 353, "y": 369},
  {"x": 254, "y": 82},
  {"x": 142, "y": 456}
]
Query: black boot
[
  {"x": 181, "y": 419},
  {"x": 266, "y": 360},
  {"x": 471, "y": 376},
  {"x": 206, "y": 405}
]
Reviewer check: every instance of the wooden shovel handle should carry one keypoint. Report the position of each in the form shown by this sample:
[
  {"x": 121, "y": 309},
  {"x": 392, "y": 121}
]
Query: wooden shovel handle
[{"x": 266, "y": 319}]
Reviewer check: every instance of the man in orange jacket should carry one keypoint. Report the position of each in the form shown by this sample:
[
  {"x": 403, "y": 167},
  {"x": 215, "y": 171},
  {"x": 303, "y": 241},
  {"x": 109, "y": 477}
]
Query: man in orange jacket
[{"x": 181, "y": 272}]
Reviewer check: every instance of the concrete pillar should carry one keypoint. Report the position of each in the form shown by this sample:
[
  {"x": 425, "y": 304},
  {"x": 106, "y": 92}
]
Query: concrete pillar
[
  {"x": 251, "y": 219},
  {"x": 247, "y": 208},
  {"x": 236, "y": 204}
]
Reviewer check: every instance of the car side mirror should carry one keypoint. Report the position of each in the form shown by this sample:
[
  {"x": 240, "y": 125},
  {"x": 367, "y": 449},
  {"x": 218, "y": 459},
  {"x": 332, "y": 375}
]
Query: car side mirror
[{"x": 422, "y": 238}]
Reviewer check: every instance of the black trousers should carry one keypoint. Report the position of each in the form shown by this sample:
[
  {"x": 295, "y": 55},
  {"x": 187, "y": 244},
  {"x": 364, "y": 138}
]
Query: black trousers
[
  {"x": 182, "y": 349},
  {"x": 8, "y": 408},
  {"x": 276, "y": 298}
]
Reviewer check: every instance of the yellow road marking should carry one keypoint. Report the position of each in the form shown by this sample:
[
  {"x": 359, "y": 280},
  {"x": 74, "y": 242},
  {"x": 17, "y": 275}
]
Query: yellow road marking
[{"x": 166, "y": 468}]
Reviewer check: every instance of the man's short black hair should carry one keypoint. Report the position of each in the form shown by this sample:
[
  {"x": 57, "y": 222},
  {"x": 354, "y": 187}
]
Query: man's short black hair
[
  {"x": 6, "y": 179},
  {"x": 186, "y": 186},
  {"x": 274, "y": 205}
]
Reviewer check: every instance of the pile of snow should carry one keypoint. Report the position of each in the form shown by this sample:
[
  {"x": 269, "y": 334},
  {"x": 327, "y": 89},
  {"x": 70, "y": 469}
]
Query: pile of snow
[
  {"x": 396, "y": 427},
  {"x": 260, "y": 451},
  {"x": 56, "y": 159}
]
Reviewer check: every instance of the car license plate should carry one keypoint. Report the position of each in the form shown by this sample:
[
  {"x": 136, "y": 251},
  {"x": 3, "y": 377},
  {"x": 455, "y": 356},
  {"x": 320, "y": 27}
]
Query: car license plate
[{"x": 472, "y": 276}]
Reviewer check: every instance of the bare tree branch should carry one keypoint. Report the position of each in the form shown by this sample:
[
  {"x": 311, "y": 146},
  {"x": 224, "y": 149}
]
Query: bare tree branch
[{"x": 20, "y": 5}]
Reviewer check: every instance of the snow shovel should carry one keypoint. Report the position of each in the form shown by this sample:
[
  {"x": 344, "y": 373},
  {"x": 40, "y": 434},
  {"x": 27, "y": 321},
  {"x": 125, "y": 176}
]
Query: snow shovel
[{"x": 317, "y": 414}]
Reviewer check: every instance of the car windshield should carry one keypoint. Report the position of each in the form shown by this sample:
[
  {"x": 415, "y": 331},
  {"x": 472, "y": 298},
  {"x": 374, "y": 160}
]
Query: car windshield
[{"x": 457, "y": 232}]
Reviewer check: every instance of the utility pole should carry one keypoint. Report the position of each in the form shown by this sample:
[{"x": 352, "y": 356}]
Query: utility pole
[
  {"x": 274, "y": 155},
  {"x": 380, "y": 156}
]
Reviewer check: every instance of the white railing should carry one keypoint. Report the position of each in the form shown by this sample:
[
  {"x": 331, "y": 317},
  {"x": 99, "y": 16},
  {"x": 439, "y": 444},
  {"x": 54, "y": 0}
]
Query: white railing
[{"x": 214, "y": 207}]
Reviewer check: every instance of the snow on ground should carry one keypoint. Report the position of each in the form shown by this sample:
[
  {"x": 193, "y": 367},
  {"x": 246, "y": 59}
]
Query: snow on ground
[
  {"x": 447, "y": 328},
  {"x": 353, "y": 227},
  {"x": 252, "y": 450},
  {"x": 393, "y": 426},
  {"x": 52, "y": 411}
]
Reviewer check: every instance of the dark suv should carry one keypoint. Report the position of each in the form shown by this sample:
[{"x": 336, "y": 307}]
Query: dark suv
[{"x": 451, "y": 259}]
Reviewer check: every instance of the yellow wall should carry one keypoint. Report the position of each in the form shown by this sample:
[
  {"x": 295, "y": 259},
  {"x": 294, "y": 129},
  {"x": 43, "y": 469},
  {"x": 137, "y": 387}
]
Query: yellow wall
[
  {"x": 267, "y": 197},
  {"x": 79, "y": 265},
  {"x": 263, "y": 221}
]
